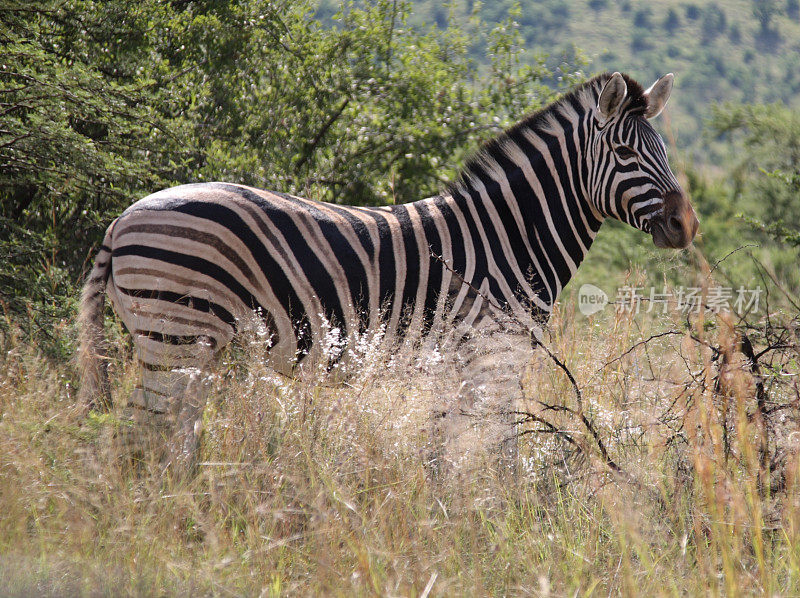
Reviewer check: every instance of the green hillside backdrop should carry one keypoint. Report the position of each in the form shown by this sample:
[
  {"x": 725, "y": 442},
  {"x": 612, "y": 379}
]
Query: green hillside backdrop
[
  {"x": 720, "y": 51},
  {"x": 731, "y": 125}
]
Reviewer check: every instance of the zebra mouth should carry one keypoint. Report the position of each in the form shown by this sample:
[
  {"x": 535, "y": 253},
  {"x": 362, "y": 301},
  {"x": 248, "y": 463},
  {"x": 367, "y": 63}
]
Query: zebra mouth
[
  {"x": 676, "y": 225},
  {"x": 659, "y": 238},
  {"x": 669, "y": 239}
]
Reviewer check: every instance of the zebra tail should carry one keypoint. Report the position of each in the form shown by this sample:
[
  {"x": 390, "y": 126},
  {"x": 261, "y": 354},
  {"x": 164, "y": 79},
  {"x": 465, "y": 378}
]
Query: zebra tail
[{"x": 95, "y": 392}]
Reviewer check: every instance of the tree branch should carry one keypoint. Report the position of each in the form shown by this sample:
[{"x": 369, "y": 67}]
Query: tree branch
[{"x": 310, "y": 147}]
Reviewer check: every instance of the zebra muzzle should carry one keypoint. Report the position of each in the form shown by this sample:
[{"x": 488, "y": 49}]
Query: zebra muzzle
[{"x": 677, "y": 225}]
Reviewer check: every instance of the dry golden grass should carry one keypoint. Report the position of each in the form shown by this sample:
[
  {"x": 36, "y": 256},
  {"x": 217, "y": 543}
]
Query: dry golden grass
[{"x": 308, "y": 488}]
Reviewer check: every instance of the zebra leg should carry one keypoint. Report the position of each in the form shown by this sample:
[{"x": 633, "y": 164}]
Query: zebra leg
[
  {"x": 490, "y": 365},
  {"x": 492, "y": 383},
  {"x": 166, "y": 409},
  {"x": 184, "y": 447}
]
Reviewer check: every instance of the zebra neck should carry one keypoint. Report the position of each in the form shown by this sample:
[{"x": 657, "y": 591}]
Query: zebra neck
[{"x": 533, "y": 198}]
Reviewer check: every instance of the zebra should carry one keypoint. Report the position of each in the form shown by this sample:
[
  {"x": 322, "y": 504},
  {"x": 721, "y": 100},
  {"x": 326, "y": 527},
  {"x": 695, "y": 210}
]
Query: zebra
[{"x": 490, "y": 254}]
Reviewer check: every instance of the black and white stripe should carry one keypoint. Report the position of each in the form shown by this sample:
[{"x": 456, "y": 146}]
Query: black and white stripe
[{"x": 184, "y": 265}]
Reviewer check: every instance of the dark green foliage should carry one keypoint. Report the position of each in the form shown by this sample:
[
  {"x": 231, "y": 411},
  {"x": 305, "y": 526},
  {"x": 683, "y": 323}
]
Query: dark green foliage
[
  {"x": 769, "y": 173},
  {"x": 641, "y": 18},
  {"x": 770, "y": 138},
  {"x": 672, "y": 21},
  {"x": 777, "y": 230},
  {"x": 79, "y": 134},
  {"x": 718, "y": 51},
  {"x": 764, "y": 181},
  {"x": 793, "y": 9},
  {"x": 764, "y": 11},
  {"x": 641, "y": 41},
  {"x": 714, "y": 21}
]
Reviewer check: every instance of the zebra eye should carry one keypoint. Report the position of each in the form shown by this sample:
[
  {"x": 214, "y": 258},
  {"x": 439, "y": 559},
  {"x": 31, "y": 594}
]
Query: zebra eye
[{"x": 624, "y": 152}]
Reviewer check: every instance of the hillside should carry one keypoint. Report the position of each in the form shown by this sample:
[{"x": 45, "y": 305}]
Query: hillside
[{"x": 732, "y": 50}]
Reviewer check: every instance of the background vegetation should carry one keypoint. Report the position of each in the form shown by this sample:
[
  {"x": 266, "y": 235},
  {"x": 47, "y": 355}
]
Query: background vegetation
[
  {"x": 309, "y": 488},
  {"x": 720, "y": 51}
]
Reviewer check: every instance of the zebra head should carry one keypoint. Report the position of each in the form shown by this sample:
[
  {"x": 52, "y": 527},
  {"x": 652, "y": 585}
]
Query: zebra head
[{"x": 631, "y": 179}]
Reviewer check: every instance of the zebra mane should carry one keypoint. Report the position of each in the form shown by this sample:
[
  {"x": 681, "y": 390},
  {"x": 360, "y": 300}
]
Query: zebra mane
[{"x": 544, "y": 121}]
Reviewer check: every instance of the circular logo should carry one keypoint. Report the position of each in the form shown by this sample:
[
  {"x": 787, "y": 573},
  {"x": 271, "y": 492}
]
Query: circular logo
[{"x": 591, "y": 299}]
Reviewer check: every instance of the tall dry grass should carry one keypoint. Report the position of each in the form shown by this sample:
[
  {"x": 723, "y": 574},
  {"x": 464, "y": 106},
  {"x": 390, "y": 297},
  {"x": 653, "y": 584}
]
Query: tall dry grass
[{"x": 671, "y": 471}]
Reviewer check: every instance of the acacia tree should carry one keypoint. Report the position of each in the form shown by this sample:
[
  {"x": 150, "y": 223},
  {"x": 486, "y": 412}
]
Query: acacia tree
[
  {"x": 765, "y": 179},
  {"x": 78, "y": 137}
]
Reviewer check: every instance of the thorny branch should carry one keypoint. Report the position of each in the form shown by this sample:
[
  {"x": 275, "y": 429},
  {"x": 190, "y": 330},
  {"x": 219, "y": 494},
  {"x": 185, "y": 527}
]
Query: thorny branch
[
  {"x": 637, "y": 345},
  {"x": 588, "y": 423},
  {"x": 549, "y": 428},
  {"x": 476, "y": 290},
  {"x": 719, "y": 261},
  {"x": 776, "y": 341},
  {"x": 761, "y": 399}
]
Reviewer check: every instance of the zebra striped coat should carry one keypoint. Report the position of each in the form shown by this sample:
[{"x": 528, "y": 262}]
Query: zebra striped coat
[{"x": 184, "y": 265}]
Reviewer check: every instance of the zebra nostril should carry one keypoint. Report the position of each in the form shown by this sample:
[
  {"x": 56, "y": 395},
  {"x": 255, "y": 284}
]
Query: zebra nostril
[{"x": 674, "y": 224}]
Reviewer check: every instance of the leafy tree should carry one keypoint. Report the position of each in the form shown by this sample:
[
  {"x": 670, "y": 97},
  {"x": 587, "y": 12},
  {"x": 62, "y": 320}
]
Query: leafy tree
[
  {"x": 640, "y": 41},
  {"x": 789, "y": 182},
  {"x": 764, "y": 11},
  {"x": 766, "y": 173},
  {"x": 78, "y": 136},
  {"x": 714, "y": 21},
  {"x": 793, "y": 9},
  {"x": 641, "y": 18},
  {"x": 735, "y": 33},
  {"x": 770, "y": 135}
]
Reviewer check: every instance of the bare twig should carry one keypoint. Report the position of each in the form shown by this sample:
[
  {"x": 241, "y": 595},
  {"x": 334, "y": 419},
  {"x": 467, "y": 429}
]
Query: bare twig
[
  {"x": 588, "y": 424},
  {"x": 718, "y": 262},
  {"x": 639, "y": 344},
  {"x": 476, "y": 290},
  {"x": 549, "y": 428},
  {"x": 775, "y": 281},
  {"x": 761, "y": 399}
]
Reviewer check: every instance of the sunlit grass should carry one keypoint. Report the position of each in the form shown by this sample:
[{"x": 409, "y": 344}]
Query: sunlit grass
[{"x": 310, "y": 487}]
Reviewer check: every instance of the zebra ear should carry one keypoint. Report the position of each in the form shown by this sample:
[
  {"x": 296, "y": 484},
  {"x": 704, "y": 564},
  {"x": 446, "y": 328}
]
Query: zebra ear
[
  {"x": 612, "y": 96},
  {"x": 658, "y": 94}
]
